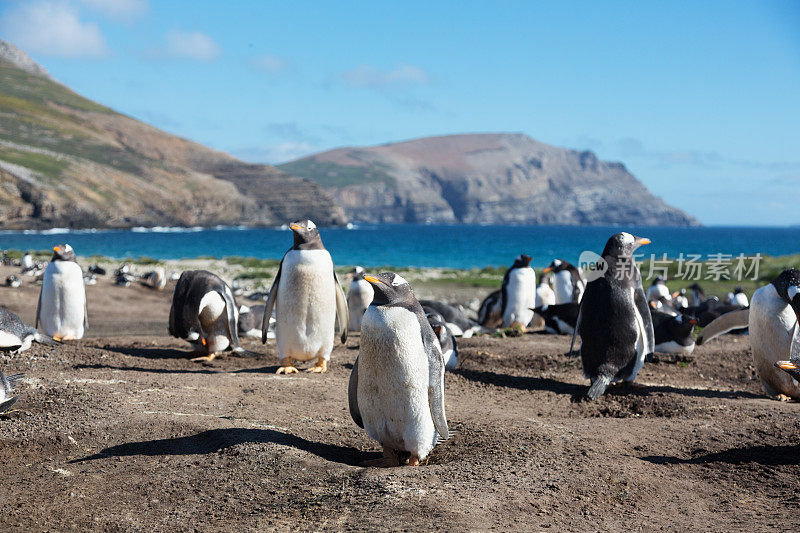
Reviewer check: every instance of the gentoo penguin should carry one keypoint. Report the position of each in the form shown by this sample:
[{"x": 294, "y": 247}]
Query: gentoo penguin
[
  {"x": 6, "y": 388},
  {"x": 458, "y": 323},
  {"x": 739, "y": 298},
  {"x": 16, "y": 336},
  {"x": 447, "y": 341},
  {"x": 396, "y": 390},
  {"x": 615, "y": 325},
  {"x": 204, "y": 313},
  {"x": 544, "y": 297},
  {"x": 250, "y": 320},
  {"x": 518, "y": 293},
  {"x": 26, "y": 263},
  {"x": 658, "y": 291},
  {"x": 155, "y": 279},
  {"x": 679, "y": 300},
  {"x": 568, "y": 284},
  {"x": 308, "y": 302},
  {"x": 559, "y": 319},
  {"x": 696, "y": 295},
  {"x": 774, "y": 336},
  {"x": 673, "y": 334},
  {"x": 13, "y": 281},
  {"x": 490, "y": 314},
  {"x": 62, "y": 300},
  {"x": 358, "y": 298}
]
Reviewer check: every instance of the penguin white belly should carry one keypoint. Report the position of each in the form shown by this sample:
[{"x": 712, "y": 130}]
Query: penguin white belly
[
  {"x": 544, "y": 296},
  {"x": 450, "y": 360},
  {"x": 214, "y": 321},
  {"x": 641, "y": 339},
  {"x": 563, "y": 327},
  {"x": 8, "y": 340},
  {"x": 306, "y": 306},
  {"x": 393, "y": 381},
  {"x": 63, "y": 300},
  {"x": 740, "y": 299},
  {"x": 359, "y": 297},
  {"x": 772, "y": 325},
  {"x": 520, "y": 297},
  {"x": 674, "y": 347},
  {"x": 562, "y": 286},
  {"x": 656, "y": 292}
]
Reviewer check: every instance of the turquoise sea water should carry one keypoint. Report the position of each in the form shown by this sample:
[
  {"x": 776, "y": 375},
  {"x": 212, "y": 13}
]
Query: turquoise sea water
[{"x": 410, "y": 244}]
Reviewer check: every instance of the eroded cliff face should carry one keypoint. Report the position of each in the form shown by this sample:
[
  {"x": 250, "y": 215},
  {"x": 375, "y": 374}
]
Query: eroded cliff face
[
  {"x": 484, "y": 179},
  {"x": 66, "y": 161}
]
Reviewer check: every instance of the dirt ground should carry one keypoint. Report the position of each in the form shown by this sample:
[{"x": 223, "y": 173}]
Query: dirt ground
[{"x": 121, "y": 432}]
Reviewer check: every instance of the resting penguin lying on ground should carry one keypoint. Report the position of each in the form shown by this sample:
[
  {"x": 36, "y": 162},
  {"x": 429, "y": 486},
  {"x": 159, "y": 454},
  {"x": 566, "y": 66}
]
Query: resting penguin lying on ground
[
  {"x": 673, "y": 334},
  {"x": 204, "y": 313},
  {"x": 615, "y": 325},
  {"x": 396, "y": 390},
  {"x": 16, "y": 336},
  {"x": 559, "y": 319},
  {"x": 447, "y": 341},
  {"x": 774, "y": 337},
  {"x": 458, "y": 323},
  {"x": 250, "y": 320}
]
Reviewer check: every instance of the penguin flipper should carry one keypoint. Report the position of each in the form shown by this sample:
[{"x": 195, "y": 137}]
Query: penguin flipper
[
  {"x": 271, "y": 300},
  {"x": 85, "y": 310},
  {"x": 598, "y": 387},
  {"x": 352, "y": 396},
  {"x": 6, "y": 405},
  {"x": 233, "y": 328},
  {"x": 723, "y": 324},
  {"x": 342, "y": 313},
  {"x": 39, "y": 307},
  {"x": 640, "y": 300},
  {"x": 575, "y": 331},
  {"x": 435, "y": 378}
]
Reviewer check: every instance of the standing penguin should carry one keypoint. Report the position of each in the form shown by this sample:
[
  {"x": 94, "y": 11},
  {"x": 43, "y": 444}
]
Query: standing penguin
[
  {"x": 544, "y": 297},
  {"x": 774, "y": 333},
  {"x": 614, "y": 324},
  {"x": 308, "y": 301},
  {"x": 62, "y": 300},
  {"x": 396, "y": 390},
  {"x": 358, "y": 298},
  {"x": 567, "y": 282},
  {"x": 16, "y": 336},
  {"x": 204, "y": 313},
  {"x": 739, "y": 298},
  {"x": 658, "y": 291},
  {"x": 518, "y": 293}
]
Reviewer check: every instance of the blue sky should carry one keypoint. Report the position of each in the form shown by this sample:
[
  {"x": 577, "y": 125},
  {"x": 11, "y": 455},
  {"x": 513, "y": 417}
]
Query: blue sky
[{"x": 701, "y": 100}]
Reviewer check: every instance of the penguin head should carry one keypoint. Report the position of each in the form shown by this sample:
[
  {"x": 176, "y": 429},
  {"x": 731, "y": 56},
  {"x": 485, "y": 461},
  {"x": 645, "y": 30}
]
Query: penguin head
[
  {"x": 305, "y": 233},
  {"x": 389, "y": 288},
  {"x": 623, "y": 244},
  {"x": 522, "y": 261},
  {"x": 439, "y": 327},
  {"x": 63, "y": 252},
  {"x": 681, "y": 326},
  {"x": 788, "y": 286},
  {"x": 556, "y": 266},
  {"x": 737, "y": 290},
  {"x": 357, "y": 273},
  {"x": 659, "y": 280}
]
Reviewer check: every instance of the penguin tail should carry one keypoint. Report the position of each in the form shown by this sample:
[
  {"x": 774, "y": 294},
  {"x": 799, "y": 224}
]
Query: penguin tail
[
  {"x": 44, "y": 339},
  {"x": 238, "y": 350},
  {"x": 598, "y": 387}
]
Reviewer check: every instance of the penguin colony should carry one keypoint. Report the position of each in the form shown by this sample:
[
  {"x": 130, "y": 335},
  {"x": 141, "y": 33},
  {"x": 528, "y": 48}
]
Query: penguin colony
[{"x": 396, "y": 386}]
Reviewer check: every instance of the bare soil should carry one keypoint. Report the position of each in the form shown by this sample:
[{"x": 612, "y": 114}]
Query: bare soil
[{"x": 121, "y": 432}]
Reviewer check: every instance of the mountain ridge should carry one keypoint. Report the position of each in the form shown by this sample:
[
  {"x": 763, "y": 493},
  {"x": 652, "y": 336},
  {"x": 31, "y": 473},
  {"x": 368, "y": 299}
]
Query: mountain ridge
[{"x": 484, "y": 178}]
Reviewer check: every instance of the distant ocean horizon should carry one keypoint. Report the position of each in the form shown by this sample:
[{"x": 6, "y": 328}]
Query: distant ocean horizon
[{"x": 410, "y": 245}]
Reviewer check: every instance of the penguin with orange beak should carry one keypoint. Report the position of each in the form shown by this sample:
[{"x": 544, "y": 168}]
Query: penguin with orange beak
[
  {"x": 308, "y": 302},
  {"x": 614, "y": 323},
  {"x": 62, "y": 308}
]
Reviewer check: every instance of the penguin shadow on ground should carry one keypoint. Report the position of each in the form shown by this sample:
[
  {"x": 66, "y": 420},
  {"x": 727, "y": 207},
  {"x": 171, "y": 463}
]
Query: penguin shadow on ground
[
  {"x": 153, "y": 352},
  {"x": 763, "y": 455},
  {"x": 214, "y": 440},
  {"x": 97, "y": 366},
  {"x": 577, "y": 391}
]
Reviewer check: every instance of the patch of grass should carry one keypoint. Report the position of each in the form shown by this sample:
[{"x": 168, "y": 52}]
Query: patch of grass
[
  {"x": 255, "y": 274},
  {"x": 45, "y": 165}
]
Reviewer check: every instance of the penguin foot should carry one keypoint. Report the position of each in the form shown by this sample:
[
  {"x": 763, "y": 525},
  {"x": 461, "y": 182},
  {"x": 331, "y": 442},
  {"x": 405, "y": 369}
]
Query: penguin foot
[
  {"x": 287, "y": 367},
  {"x": 58, "y": 338},
  {"x": 205, "y": 359},
  {"x": 320, "y": 368},
  {"x": 389, "y": 460},
  {"x": 783, "y": 398}
]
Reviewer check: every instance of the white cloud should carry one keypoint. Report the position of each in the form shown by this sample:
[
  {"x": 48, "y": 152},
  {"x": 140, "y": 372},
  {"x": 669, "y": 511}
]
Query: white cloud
[
  {"x": 118, "y": 9},
  {"x": 277, "y": 153},
  {"x": 52, "y": 28},
  {"x": 368, "y": 76},
  {"x": 270, "y": 64},
  {"x": 194, "y": 45}
]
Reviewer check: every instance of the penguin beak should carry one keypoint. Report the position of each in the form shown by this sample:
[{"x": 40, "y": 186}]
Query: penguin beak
[
  {"x": 57, "y": 249},
  {"x": 642, "y": 240},
  {"x": 693, "y": 321},
  {"x": 786, "y": 365},
  {"x": 675, "y": 294},
  {"x": 296, "y": 227},
  {"x": 372, "y": 279},
  {"x": 546, "y": 270}
]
